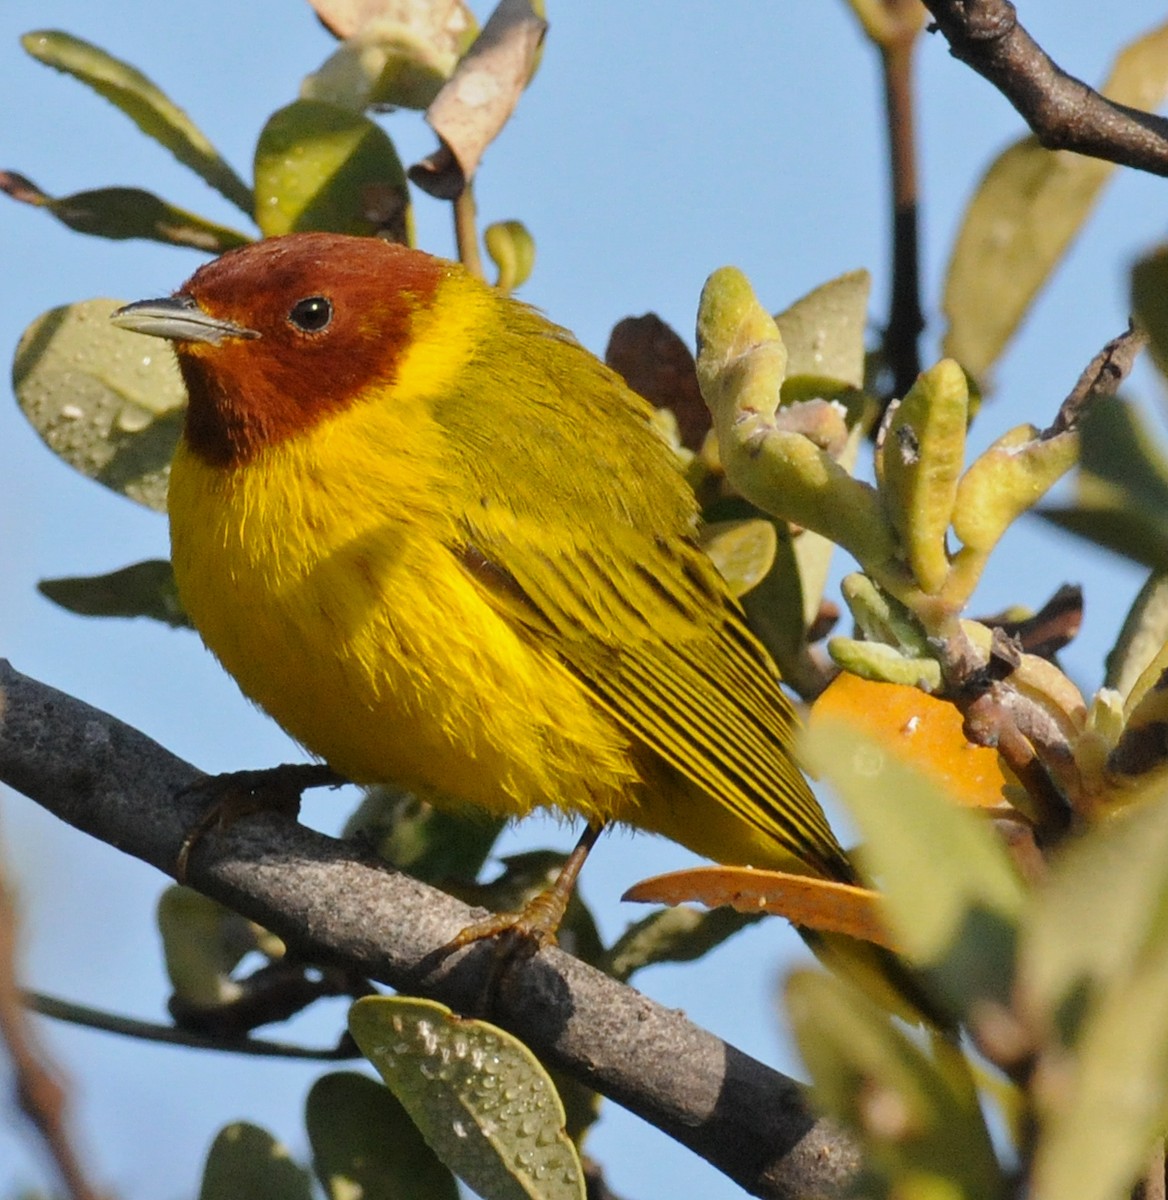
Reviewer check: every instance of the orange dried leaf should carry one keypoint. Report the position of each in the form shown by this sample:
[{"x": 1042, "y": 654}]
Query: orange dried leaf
[
  {"x": 819, "y": 904},
  {"x": 922, "y": 730}
]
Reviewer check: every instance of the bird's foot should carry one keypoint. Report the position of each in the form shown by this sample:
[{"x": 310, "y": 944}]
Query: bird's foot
[{"x": 238, "y": 794}]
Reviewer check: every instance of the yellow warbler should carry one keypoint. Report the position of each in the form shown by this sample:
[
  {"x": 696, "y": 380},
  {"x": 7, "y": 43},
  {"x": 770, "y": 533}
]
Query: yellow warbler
[{"x": 440, "y": 543}]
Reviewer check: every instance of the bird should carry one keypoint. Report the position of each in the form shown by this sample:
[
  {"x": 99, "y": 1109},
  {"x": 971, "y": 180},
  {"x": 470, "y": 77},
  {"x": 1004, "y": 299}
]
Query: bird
[{"x": 445, "y": 548}]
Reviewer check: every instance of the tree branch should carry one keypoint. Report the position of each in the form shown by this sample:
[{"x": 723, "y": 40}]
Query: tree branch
[
  {"x": 1063, "y": 112},
  {"x": 113, "y": 782}
]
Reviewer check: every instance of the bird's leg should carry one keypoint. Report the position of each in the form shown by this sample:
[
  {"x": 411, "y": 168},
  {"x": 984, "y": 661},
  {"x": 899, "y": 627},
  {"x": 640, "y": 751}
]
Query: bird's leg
[
  {"x": 237, "y": 794},
  {"x": 538, "y": 920}
]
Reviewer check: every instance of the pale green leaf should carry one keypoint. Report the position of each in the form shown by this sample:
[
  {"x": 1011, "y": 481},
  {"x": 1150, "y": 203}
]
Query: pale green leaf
[
  {"x": 743, "y": 551},
  {"x": 247, "y": 1163},
  {"x": 824, "y": 331},
  {"x": 203, "y": 941},
  {"x": 318, "y": 166},
  {"x": 1105, "y": 1106},
  {"x": 1024, "y": 215},
  {"x": 481, "y": 1099},
  {"x": 1105, "y": 900},
  {"x": 149, "y": 108},
  {"x": 1145, "y": 630},
  {"x": 917, "y": 1114},
  {"x": 365, "y": 1147},
  {"x": 1026, "y": 212},
  {"x": 108, "y": 402}
]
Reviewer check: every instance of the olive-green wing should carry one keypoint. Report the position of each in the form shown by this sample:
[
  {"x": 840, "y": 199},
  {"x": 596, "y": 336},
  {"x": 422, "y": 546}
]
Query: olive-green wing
[{"x": 648, "y": 626}]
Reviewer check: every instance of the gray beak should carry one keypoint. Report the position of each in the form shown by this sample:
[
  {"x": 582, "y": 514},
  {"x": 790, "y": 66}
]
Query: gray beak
[{"x": 178, "y": 318}]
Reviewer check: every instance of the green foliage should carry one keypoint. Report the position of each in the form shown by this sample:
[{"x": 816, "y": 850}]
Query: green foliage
[
  {"x": 149, "y": 108},
  {"x": 318, "y": 166},
  {"x": 480, "y": 1097}
]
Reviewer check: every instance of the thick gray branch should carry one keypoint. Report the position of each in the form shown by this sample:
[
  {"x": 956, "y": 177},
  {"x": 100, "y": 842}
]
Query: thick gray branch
[
  {"x": 1063, "y": 112},
  {"x": 330, "y": 905}
]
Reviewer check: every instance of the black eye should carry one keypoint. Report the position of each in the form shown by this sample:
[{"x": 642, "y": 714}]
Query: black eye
[{"x": 311, "y": 314}]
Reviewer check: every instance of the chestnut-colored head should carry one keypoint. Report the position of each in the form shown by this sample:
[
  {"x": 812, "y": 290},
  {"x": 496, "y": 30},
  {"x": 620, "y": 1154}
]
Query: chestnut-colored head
[{"x": 276, "y": 336}]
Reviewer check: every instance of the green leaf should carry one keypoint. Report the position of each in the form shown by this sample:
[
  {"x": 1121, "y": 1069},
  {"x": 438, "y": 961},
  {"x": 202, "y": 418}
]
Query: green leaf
[
  {"x": 1104, "y": 904},
  {"x": 203, "y": 942},
  {"x": 953, "y": 898},
  {"x": 247, "y": 1163},
  {"x": 1100, "y": 1120},
  {"x": 144, "y": 589},
  {"x": 1145, "y": 630},
  {"x": 1122, "y": 486},
  {"x": 918, "y": 1115},
  {"x": 512, "y": 250},
  {"x": 1024, "y": 215},
  {"x": 743, "y": 551},
  {"x": 318, "y": 166},
  {"x": 108, "y": 402},
  {"x": 1149, "y": 292},
  {"x": 824, "y": 332},
  {"x": 430, "y": 844},
  {"x": 365, "y": 1147},
  {"x": 480, "y": 1097},
  {"x": 149, "y": 108},
  {"x": 673, "y": 935},
  {"x": 120, "y": 213}
]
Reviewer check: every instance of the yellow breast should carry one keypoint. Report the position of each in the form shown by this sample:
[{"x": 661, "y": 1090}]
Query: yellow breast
[{"x": 321, "y": 575}]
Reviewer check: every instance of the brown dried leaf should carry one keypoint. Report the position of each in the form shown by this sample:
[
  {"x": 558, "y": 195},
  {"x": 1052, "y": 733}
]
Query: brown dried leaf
[
  {"x": 469, "y": 112},
  {"x": 657, "y": 364}
]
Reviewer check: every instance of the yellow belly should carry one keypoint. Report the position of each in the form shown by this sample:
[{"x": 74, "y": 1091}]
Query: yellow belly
[{"x": 336, "y": 605}]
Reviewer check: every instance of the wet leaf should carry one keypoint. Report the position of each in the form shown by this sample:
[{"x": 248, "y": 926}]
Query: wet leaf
[
  {"x": 481, "y": 1099},
  {"x": 247, "y": 1163},
  {"x": 321, "y": 167},
  {"x": 144, "y": 589},
  {"x": 108, "y": 402},
  {"x": 149, "y": 108},
  {"x": 1024, "y": 215},
  {"x": 366, "y": 1147}
]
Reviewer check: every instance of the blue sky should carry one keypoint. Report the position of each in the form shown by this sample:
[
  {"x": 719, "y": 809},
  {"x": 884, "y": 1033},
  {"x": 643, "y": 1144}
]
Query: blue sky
[{"x": 658, "y": 142}]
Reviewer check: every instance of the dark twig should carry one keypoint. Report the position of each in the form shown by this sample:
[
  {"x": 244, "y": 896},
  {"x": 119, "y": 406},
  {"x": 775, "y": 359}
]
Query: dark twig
[
  {"x": 148, "y": 1031},
  {"x": 905, "y": 319},
  {"x": 1063, "y": 112},
  {"x": 332, "y": 907},
  {"x": 39, "y": 1090}
]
